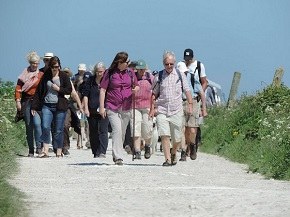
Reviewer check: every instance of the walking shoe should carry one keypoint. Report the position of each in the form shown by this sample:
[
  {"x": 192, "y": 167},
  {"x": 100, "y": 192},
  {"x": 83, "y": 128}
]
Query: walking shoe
[
  {"x": 147, "y": 154},
  {"x": 97, "y": 155},
  {"x": 166, "y": 163},
  {"x": 102, "y": 156},
  {"x": 65, "y": 151},
  {"x": 182, "y": 156},
  {"x": 38, "y": 150},
  {"x": 193, "y": 151},
  {"x": 173, "y": 159},
  {"x": 128, "y": 149},
  {"x": 30, "y": 155},
  {"x": 88, "y": 145},
  {"x": 119, "y": 162},
  {"x": 138, "y": 155}
]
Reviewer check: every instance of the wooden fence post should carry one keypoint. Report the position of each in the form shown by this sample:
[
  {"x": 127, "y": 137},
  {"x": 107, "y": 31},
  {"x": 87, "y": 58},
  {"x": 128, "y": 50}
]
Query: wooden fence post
[
  {"x": 234, "y": 89},
  {"x": 277, "y": 80}
]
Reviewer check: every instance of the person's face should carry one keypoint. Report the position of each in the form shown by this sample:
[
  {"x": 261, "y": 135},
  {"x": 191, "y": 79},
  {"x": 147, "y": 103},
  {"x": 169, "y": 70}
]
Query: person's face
[
  {"x": 169, "y": 64},
  {"x": 100, "y": 71},
  {"x": 33, "y": 66},
  {"x": 123, "y": 65},
  {"x": 141, "y": 71},
  {"x": 46, "y": 61},
  {"x": 55, "y": 68}
]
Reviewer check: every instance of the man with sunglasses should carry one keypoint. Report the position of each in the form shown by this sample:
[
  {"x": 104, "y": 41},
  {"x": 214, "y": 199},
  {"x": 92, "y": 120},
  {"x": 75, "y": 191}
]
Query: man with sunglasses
[{"x": 167, "y": 100}]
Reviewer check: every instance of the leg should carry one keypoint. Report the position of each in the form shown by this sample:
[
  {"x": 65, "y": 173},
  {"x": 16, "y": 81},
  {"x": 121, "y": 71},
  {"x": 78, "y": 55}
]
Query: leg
[
  {"x": 103, "y": 134},
  {"x": 94, "y": 139},
  {"x": 28, "y": 119}
]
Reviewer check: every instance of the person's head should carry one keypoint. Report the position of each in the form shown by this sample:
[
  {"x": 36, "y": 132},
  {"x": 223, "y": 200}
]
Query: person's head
[
  {"x": 188, "y": 56},
  {"x": 181, "y": 66},
  {"x": 141, "y": 67},
  {"x": 67, "y": 71},
  {"x": 46, "y": 58},
  {"x": 99, "y": 69},
  {"x": 121, "y": 61},
  {"x": 33, "y": 60},
  {"x": 54, "y": 64},
  {"x": 169, "y": 61},
  {"x": 82, "y": 68}
]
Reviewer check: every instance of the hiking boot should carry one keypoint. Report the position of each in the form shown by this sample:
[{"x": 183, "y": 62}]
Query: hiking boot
[
  {"x": 166, "y": 163},
  {"x": 119, "y": 162},
  {"x": 173, "y": 159},
  {"x": 182, "y": 156},
  {"x": 138, "y": 155},
  {"x": 147, "y": 154},
  {"x": 193, "y": 151}
]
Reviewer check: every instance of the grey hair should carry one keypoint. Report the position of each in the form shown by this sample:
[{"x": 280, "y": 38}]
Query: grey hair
[
  {"x": 167, "y": 54},
  {"x": 32, "y": 57},
  {"x": 98, "y": 65}
]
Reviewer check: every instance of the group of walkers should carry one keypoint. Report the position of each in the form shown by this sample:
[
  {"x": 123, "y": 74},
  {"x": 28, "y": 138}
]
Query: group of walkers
[{"x": 125, "y": 97}]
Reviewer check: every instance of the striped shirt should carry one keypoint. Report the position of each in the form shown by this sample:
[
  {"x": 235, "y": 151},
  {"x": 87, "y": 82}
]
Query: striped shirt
[{"x": 169, "y": 101}]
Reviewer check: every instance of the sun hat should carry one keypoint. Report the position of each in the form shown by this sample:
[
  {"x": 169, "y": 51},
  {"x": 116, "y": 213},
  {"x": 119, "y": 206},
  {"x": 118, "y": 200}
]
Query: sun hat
[
  {"x": 141, "y": 64},
  {"x": 181, "y": 66},
  {"x": 188, "y": 54},
  {"x": 47, "y": 55},
  {"x": 82, "y": 67}
]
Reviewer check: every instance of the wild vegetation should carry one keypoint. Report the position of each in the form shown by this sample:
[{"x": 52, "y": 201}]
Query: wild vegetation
[
  {"x": 12, "y": 141},
  {"x": 255, "y": 132}
]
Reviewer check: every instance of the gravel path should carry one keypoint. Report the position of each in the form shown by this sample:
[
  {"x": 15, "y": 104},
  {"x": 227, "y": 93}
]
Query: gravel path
[{"x": 79, "y": 185}]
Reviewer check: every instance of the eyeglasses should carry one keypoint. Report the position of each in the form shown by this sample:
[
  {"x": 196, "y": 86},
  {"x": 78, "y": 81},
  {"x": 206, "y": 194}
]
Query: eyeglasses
[
  {"x": 169, "y": 64},
  {"x": 54, "y": 67}
]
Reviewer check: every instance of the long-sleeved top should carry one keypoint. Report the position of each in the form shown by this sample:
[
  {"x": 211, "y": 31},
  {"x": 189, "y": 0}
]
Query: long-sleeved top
[
  {"x": 41, "y": 91},
  {"x": 118, "y": 86}
]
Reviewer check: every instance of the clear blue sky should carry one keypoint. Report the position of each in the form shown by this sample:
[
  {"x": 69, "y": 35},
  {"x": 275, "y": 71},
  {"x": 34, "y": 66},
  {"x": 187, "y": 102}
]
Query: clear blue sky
[{"x": 249, "y": 36}]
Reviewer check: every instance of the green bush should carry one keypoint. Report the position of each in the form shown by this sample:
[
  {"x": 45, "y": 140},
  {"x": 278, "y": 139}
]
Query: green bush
[
  {"x": 255, "y": 132},
  {"x": 12, "y": 141}
]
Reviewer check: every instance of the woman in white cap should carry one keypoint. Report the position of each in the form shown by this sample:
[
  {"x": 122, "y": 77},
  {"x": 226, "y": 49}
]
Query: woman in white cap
[{"x": 25, "y": 89}]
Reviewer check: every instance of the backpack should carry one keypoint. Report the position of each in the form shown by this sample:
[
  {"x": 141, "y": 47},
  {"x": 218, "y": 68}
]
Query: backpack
[
  {"x": 198, "y": 68},
  {"x": 160, "y": 78}
]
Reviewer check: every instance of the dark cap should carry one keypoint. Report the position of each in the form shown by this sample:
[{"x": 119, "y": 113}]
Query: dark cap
[{"x": 188, "y": 54}]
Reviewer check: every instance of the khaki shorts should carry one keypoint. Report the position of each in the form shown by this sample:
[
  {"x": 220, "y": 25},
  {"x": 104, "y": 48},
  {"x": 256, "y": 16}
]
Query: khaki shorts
[
  {"x": 143, "y": 126},
  {"x": 171, "y": 126},
  {"x": 193, "y": 119}
]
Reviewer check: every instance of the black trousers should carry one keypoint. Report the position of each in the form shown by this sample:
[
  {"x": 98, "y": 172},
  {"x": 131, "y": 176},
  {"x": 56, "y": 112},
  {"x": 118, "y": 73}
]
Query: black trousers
[{"x": 98, "y": 128}]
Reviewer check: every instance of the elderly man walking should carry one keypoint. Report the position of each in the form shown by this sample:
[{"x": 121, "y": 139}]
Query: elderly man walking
[{"x": 166, "y": 102}]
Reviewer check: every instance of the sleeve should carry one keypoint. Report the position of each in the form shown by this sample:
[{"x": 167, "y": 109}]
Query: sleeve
[
  {"x": 18, "y": 89},
  {"x": 86, "y": 88},
  {"x": 105, "y": 80},
  {"x": 202, "y": 71},
  {"x": 65, "y": 88}
]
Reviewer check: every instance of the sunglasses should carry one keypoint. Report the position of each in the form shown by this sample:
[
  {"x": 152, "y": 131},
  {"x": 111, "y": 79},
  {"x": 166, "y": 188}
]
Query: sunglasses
[
  {"x": 54, "y": 67},
  {"x": 169, "y": 64}
]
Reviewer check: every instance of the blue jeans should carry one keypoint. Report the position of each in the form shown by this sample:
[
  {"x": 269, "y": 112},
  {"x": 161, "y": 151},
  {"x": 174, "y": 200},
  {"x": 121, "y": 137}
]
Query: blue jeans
[
  {"x": 32, "y": 125},
  {"x": 50, "y": 115}
]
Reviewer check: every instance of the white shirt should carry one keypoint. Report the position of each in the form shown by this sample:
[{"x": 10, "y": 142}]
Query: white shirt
[{"x": 193, "y": 66}]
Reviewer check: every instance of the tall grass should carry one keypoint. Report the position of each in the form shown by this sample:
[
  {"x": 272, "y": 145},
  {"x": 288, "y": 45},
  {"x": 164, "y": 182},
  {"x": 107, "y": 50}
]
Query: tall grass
[
  {"x": 12, "y": 141},
  {"x": 255, "y": 132}
]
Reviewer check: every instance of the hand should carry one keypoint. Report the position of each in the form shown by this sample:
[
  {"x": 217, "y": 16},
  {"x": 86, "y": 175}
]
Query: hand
[
  {"x": 86, "y": 112},
  {"x": 103, "y": 112},
  {"x": 151, "y": 113},
  {"x": 55, "y": 87},
  {"x": 189, "y": 109},
  {"x": 82, "y": 111},
  {"x": 135, "y": 89},
  {"x": 33, "y": 112},
  {"x": 18, "y": 105}
]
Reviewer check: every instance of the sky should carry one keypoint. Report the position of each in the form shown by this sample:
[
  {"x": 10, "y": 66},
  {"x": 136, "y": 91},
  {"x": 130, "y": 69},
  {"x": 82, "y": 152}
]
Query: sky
[{"x": 227, "y": 36}]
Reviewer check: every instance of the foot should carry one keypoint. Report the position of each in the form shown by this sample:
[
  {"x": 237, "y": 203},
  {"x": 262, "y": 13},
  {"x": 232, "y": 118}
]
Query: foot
[
  {"x": 193, "y": 155},
  {"x": 183, "y": 156},
  {"x": 173, "y": 159},
  {"x": 166, "y": 163},
  {"x": 65, "y": 152},
  {"x": 138, "y": 155},
  {"x": 96, "y": 155},
  {"x": 102, "y": 156},
  {"x": 30, "y": 155},
  {"x": 147, "y": 154},
  {"x": 119, "y": 162},
  {"x": 128, "y": 149}
]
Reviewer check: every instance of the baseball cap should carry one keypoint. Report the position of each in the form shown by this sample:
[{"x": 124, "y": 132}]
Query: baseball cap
[
  {"x": 188, "y": 54},
  {"x": 141, "y": 64}
]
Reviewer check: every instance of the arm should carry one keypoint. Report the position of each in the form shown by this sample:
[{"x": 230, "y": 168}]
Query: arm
[
  {"x": 203, "y": 103},
  {"x": 102, "y": 102},
  {"x": 86, "y": 108},
  {"x": 76, "y": 98},
  {"x": 18, "y": 94},
  {"x": 189, "y": 101}
]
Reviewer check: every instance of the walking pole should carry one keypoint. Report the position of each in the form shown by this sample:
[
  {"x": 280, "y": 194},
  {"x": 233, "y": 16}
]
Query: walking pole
[{"x": 133, "y": 135}]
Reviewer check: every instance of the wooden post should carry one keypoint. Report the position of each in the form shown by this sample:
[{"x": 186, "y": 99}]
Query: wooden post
[
  {"x": 234, "y": 89},
  {"x": 277, "y": 80}
]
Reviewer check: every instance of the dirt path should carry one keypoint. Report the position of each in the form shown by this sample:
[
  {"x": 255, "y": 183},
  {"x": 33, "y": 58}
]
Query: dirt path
[{"x": 79, "y": 185}]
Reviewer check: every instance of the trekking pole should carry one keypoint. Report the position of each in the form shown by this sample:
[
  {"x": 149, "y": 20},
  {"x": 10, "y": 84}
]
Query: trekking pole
[{"x": 133, "y": 135}]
